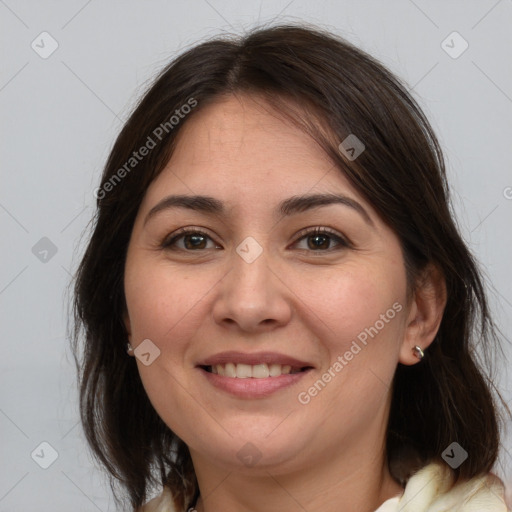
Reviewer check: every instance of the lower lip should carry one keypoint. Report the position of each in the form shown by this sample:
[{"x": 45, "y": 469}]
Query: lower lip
[{"x": 251, "y": 387}]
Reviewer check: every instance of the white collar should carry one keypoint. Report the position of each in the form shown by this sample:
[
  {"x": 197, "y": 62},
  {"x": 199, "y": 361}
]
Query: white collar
[{"x": 431, "y": 490}]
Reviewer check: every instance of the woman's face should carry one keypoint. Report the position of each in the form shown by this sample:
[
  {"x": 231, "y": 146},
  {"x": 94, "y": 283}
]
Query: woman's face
[{"x": 255, "y": 290}]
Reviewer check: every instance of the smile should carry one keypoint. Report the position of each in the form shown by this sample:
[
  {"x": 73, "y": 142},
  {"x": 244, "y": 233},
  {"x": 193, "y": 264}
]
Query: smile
[
  {"x": 252, "y": 375},
  {"x": 256, "y": 371}
]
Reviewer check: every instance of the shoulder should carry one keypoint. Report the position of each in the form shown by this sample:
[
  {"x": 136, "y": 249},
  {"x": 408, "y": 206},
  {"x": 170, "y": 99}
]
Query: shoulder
[{"x": 433, "y": 489}]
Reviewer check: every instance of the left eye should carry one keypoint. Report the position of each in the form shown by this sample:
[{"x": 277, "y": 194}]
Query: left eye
[{"x": 321, "y": 239}]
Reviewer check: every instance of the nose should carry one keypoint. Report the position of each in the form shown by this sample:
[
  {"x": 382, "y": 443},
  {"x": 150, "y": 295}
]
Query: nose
[{"x": 252, "y": 297}]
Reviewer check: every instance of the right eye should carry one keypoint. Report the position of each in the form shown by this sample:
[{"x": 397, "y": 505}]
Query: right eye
[{"x": 188, "y": 240}]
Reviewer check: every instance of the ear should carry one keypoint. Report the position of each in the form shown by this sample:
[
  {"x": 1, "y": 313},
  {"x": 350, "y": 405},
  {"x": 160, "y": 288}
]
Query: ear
[{"x": 425, "y": 314}]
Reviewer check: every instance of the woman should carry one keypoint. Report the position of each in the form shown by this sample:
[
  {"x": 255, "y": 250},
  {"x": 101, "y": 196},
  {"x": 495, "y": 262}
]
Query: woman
[{"x": 274, "y": 246}]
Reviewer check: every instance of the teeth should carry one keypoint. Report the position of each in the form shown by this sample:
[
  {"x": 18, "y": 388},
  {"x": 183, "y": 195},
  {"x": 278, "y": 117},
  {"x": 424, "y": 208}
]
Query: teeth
[
  {"x": 275, "y": 370},
  {"x": 257, "y": 371},
  {"x": 229, "y": 370},
  {"x": 243, "y": 371},
  {"x": 260, "y": 371}
]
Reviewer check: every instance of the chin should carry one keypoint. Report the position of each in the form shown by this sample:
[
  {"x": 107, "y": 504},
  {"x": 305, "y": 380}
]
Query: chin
[{"x": 252, "y": 453}]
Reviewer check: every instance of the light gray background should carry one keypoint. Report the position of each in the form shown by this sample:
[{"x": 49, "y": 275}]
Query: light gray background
[{"x": 60, "y": 116}]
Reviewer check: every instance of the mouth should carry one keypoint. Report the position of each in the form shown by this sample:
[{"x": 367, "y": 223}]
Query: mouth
[
  {"x": 256, "y": 371},
  {"x": 251, "y": 376}
]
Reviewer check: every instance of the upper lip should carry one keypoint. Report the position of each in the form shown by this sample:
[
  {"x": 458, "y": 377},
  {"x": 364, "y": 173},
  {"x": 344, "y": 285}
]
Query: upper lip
[{"x": 254, "y": 359}]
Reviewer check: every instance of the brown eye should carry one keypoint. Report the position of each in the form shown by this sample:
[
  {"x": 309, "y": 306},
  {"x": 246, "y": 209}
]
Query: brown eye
[
  {"x": 194, "y": 241},
  {"x": 189, "y": 240},
  {"x": 322, "y": 239},
  {"x": 319, "y": 241}
]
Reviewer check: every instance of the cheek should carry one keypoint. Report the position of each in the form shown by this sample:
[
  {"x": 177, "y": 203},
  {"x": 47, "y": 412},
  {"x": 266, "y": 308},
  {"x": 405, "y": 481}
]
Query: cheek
[
  {"x": 165, "y": 306},
  {"x": 353, "y": 302},
  {"x": 161, "y": 301},
  {"x": 362, "y": 316}
]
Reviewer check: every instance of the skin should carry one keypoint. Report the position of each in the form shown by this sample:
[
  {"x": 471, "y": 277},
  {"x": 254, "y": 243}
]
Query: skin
[{"x": 294, "y": 299}]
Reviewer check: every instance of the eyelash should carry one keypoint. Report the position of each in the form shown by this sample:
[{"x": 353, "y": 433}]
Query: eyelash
[{"x": 169, "y": 242}]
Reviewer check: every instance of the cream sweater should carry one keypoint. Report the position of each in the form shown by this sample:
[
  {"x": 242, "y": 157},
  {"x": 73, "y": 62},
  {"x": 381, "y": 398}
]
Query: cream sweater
[{"x": 429, "y": 490}]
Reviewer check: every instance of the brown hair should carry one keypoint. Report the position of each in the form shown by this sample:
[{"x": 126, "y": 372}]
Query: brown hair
[{"x": 337, "y": 90}]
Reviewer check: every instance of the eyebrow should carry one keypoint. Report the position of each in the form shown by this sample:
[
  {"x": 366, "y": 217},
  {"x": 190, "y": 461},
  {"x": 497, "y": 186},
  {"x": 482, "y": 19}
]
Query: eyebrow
[{"x": 288, "y": 207}]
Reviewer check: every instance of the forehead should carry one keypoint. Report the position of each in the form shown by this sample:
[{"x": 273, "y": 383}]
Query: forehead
[
  {"x": 241, "y": 145},
  {"x": 238, "y": 128}
]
